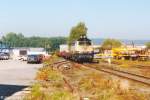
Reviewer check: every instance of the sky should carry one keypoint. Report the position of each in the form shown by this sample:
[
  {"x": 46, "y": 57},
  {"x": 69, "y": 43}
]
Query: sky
[{"x": 121, "y": 19}]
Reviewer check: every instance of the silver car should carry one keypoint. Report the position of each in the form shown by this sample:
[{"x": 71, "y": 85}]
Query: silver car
[{"x": 4, "y": 56}]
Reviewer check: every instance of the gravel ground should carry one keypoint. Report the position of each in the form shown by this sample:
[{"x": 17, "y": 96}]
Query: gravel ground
[{"x": 16, "y": 75}]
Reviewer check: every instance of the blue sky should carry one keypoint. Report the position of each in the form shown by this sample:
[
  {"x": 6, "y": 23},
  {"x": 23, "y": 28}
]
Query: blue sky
[{"x": 123, "y": 19}]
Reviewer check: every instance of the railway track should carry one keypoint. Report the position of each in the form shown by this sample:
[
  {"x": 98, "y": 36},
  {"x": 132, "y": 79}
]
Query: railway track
[
  {"x": 123, "y": 74},
  {"x": 57, "y": 63},
  {"x": 95, "y": 67},
  {"x": 142, "y": 66},
  {"x": 121, "y": 70},
  {"x": 68, "y": 84}
]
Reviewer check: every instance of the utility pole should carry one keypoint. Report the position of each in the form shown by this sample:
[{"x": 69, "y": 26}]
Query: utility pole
[
  {"x": 133, "y": 44},
  {"x": 0, "y": 46}
]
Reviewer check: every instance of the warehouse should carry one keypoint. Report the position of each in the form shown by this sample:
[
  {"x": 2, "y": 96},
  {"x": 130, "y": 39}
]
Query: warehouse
[{"x": 16, "y": 53}]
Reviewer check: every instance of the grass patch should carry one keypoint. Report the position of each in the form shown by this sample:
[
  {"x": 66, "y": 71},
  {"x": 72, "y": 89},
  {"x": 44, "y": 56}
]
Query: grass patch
[
  {"x": 47, "y": 74},
  {"x": 62, "y": 95},
  {"x": 127, "y": 63},
  {"x": 90, "y": 84}
]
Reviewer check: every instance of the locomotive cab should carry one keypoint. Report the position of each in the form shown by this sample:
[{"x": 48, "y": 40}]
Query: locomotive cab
[
  {"x": 83, "y": 45},
  {"x": 83, "y": 50}
]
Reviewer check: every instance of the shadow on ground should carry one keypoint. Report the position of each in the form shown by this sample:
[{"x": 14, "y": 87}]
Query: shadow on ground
[{"x": 8, "y": 90}]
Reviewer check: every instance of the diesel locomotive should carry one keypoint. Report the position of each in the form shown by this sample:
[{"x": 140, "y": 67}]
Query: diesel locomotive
[{"x": 80, "y": 51}]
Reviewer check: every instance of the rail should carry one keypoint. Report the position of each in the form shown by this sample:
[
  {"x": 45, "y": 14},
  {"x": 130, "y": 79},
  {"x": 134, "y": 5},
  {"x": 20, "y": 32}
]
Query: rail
[
  {"x": 59, "y": 62},
  {"x": 131, "y": 76}
]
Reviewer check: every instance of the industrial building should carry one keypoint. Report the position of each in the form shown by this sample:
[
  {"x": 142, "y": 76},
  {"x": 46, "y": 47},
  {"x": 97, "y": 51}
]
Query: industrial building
[{"x": 15, "y": 53}]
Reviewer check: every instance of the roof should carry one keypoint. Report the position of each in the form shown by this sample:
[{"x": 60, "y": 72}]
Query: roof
[
  {"x": 83, "y": 38},
  {"x": 29, "y": 49}
]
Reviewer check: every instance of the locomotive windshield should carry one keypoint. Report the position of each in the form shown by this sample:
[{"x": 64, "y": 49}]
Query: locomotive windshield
[
  {"x": 85, "y": 43},
  {"x": 83, "y": 40}
]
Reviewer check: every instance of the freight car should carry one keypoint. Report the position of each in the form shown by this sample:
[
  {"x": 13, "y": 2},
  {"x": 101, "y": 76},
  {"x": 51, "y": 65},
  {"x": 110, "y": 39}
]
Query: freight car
[{"x": 80, "y": 51}]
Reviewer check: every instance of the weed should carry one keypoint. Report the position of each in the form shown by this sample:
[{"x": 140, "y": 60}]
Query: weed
[
  {"x": 36, "y": 93},
  {"x": 48, "y": 74},
  {"x": 62, "y": 95}
]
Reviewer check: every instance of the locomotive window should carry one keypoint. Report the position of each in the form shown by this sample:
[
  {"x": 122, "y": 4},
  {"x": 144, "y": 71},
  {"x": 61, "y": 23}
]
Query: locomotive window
[
  {"x": 84, "y": 43},
  {"x": 88, "y": 43}
]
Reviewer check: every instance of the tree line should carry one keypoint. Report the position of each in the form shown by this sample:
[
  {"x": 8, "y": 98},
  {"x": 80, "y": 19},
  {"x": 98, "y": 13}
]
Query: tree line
[{"x": 19, "y": 40}]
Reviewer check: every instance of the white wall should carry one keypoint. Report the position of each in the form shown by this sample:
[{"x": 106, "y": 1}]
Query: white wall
[
  {"x": 36, "y": 52},
  {"x": 63, "y": 47},
  {"x": 15, "y": 53}
]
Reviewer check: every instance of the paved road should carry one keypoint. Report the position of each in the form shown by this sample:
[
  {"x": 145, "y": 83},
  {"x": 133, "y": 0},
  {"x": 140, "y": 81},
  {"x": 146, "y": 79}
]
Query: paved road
[{"x": 16, "y": 75}]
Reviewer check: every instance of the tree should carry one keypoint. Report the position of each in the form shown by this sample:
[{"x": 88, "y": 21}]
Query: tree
[
  {"x": 77, "y": 31},
  {"x": 18, "y": 40},
  {"x": 111, "y": 43},
  {"x": 148, "y": 45},
  {"x": 13, "y": 38}
]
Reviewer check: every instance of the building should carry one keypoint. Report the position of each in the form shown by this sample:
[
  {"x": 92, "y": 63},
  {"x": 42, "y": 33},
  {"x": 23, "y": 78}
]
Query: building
[
  {"x": 63, "y": 47},
  {"x": 15, "y": 53}
]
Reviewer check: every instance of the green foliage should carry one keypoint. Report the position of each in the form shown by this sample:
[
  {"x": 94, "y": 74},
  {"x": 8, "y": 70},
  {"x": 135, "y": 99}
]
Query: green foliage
[
  {"x": 36, "y": 93},
  {"x": 36, "y": 90},
  {"x": 13, "y": 39},
  {"x": 148, "y": 45},
  {"x": 76, "y": 32},
  {"x": 18, "y": 40},
  {"x": 111, "y": 43},
  {"x": 62, "y": 95}
]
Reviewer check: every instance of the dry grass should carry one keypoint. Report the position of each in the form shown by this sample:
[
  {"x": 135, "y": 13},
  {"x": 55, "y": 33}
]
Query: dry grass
[
  {"x": 51, "y": 60},
  {"x": 95, "y": 86},
  {"x": 98, "y": 88},
  {"x": 38, "y": 92},
  {"x": 128, "y": 63},
  {"x": 50, "y": 85},
  {"x": 47, "y": 74}
]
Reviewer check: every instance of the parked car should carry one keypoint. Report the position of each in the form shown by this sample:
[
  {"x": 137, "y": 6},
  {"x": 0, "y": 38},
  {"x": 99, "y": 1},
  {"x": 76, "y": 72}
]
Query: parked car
[
  {"x": 4, "y": 56},
  {"x": 34, "y": 59}
]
